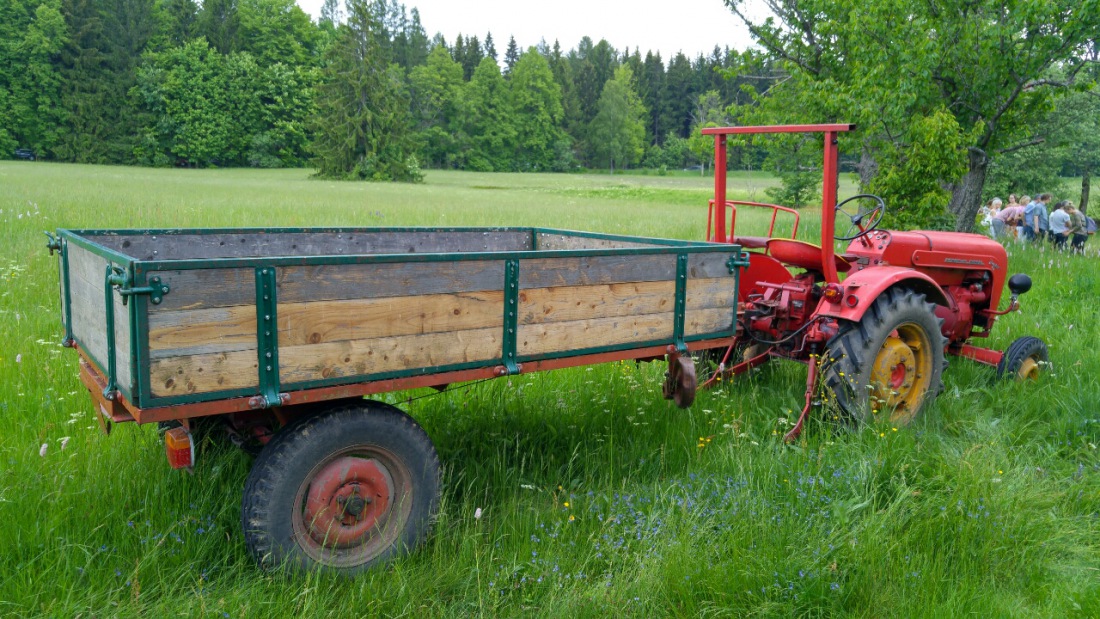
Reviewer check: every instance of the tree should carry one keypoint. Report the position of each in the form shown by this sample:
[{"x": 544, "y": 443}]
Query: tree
[
  {"x": 490, "y": 48},
  {"x": 361, "y": 129},
  {"x": 618, "y": 130},
  {"x": 276, "y": 31},
  {"x": 893, "y": 65},
  {"x": 489, "y": 120},
  {"x": 536, "y": 104},
  {"x": 219, "y": 21},
  {"x": 511, "y": 56},
  {"x": 331, "y": 14},
  {"x": 436, "y": 90},
  {"x": 33, "y": 90}
]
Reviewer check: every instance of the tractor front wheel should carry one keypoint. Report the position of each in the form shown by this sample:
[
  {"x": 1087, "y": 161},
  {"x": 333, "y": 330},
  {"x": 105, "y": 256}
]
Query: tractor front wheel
[
  {"x": 341, "y": 491},
  {"x": 1023, "y": 359},
  {"x": 889, "y": 364}
]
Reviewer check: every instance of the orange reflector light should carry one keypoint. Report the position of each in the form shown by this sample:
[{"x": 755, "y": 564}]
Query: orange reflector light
[
  {"x": 179, "y": 448},
  {"x": 833, "y": 292}
]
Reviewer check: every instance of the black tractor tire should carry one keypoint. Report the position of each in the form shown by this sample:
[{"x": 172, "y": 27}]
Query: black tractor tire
[
  {"x": 1023, "y": 359},
  {"x": 893, "y": 334},
  {"x": 341, "y": 491}
]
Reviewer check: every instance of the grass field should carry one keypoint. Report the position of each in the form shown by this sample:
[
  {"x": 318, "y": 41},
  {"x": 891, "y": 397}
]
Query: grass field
[{"x": 597, "y": 497}]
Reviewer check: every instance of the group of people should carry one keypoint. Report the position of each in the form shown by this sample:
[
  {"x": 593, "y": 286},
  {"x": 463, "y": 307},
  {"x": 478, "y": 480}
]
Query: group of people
[{"x": 1031, "y": 220}]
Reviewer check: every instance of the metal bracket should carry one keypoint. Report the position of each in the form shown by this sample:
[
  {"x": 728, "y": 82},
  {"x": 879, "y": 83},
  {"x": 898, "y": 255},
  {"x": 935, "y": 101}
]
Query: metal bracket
[
  {"x": 737, "y": 260},
  {"x": 54, "y": 243},
  {"x": 680, "y": 303},
  {"x": 121, "y": 283},
  {"x": 511, "y": 316},
  {"x": 267, "y": 338}
]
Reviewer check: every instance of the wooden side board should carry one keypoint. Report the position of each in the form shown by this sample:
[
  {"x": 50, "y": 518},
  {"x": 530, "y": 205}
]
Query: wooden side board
[
  {"x": 351, "y": 320},
  {"x": 548, "y": 241},
  {"x": 87, "y": 273},
  {"x": 276, "y": 244}
]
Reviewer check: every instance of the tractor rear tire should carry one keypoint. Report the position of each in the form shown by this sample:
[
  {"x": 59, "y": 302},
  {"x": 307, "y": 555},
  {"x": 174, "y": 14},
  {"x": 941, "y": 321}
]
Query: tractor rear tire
[
  {"x": 341, "y": 491},
  {"x": 891, "y": 361},
  {"x": 1023, "y": 359}
]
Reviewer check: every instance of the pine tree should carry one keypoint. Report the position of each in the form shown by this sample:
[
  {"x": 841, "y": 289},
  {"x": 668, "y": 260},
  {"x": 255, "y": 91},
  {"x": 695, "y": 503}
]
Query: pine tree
[
  {"x": 490, "y": 48},
  {"x": 362, "y": 120},
  {"x": 511, "y": 56},
  {"x": 331, "y": 14}
]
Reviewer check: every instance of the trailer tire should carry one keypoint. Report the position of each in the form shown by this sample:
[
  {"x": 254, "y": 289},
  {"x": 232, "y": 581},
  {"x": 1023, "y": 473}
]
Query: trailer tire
[
  {"x": 341, "y": 491},
  {"x": 1023, "y": 359},
  {"x": 891, "y": 360}
]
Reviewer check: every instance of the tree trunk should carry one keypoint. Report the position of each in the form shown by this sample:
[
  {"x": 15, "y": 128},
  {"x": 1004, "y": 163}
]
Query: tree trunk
[
  {"x": 867, "y": 168},
  {"x": 966, "y": 195},
  {"x": 1084, "y": 204}
]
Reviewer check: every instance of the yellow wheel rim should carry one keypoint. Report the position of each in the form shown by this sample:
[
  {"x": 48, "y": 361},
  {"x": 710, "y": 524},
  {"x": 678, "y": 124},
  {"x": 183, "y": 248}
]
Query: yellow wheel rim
[
  {"x": 901, "y": 373},
  {"x": 1029, "y": 370}
]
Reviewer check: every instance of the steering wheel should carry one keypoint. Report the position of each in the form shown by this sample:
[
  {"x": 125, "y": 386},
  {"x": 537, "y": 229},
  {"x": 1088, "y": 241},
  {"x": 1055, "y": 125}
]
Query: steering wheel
[{"x": 856, "y": 221}]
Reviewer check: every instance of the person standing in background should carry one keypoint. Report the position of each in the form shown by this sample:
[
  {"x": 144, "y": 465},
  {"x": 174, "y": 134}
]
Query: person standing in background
[
  {"x": 1036, "y": 218},
  {"x": 1079, "y": 229},
  {"x": 1060, "y": 222},
  {"x": 1006, "y": 222}
]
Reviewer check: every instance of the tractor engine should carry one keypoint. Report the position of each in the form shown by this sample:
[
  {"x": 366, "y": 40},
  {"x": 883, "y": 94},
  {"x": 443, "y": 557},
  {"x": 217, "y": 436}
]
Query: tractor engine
[{"x": 968, "y": 268}]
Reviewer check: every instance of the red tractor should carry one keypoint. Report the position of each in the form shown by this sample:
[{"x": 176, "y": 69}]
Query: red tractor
[{"x": 874, "y": 322}]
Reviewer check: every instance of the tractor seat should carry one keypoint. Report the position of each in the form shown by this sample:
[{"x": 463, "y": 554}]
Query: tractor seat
[
  {"x": 803, "y": 255},
  {"x": 751, "y": 242}
]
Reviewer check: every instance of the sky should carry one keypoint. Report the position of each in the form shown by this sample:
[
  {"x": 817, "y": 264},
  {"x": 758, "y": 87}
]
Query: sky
[{"x": 691, "y": 26}]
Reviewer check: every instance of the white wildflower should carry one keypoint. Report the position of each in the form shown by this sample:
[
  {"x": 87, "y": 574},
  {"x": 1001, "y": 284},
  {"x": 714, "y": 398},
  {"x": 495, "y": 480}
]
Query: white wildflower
[
  {"x": 477, "y": 514},
  {"x": 42, "y": 449},
  {"x": 64, "y": 440}
]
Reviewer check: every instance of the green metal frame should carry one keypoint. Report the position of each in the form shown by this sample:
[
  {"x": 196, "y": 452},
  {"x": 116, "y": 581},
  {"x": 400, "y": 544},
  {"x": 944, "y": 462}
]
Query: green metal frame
[{"x": 136, "y": 274}]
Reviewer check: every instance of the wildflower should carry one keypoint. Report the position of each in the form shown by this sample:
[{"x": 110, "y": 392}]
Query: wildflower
[
  {"x": 894, "y": 429},
  {"x": 571, "y": 518},
  {"x": 477, "y": 514},
  {"x": 19, "y": 358},
  {"x": 64, "y": 440},
  {"x": 42, "y": 449},
  {"x": 881, "y": 434}
]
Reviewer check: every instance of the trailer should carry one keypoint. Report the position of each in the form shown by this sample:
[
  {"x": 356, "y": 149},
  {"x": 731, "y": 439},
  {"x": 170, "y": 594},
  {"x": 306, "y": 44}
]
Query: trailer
[{"x": 279, "y": 337}]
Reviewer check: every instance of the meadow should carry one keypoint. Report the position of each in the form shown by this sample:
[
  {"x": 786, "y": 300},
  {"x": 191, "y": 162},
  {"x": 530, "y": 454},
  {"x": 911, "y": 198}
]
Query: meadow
[{"x": 596, "y": 496}]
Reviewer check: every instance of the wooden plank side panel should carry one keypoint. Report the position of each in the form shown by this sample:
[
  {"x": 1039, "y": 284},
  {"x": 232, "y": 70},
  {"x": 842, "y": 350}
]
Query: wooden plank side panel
[
  {"x": 351, "y": 243},
  {"x": 706, "y": 293},
  {"x": 708, "y": 321},
  {"x": 87, "y": 272},
  {"x": 361, "y": 319},
  {"x": 388, "y": 354},
  {"x": 201, "y": 331},
  {"x": 547, "y": 241},
  {"x": 572, "y": 303},
  {"x": 367, "y": 281},
  {"x": 593, "y": 270},
  {"x": 551, "y": 338},
  {"x": 194, "y": 374},
  {"x": 206, "y": 288}
]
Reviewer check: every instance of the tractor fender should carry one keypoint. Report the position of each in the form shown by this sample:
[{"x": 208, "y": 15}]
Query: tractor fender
[{"x": 863, "y": 287}]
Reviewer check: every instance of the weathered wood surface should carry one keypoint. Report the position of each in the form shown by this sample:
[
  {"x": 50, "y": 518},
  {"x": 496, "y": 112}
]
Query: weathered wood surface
[
  {"x": 586, "y": 271},
  {"x": 87, "y": 273},
  {"x": 544, "y": 338},
  {"x": 571, "y": 303},
  {"x": 275, "y": 244},
  {"x": 388, "y": 354},
  {"x": 707, "y": 321},
  {"x": 301, "y": 284},
  {"x": 547, "y": 241},
  {"x": 322, "y": 322},
  {"x": 202, "y": 331},
  {"x": 193, "y": 374},
  {"x": 206, "y": 288}
]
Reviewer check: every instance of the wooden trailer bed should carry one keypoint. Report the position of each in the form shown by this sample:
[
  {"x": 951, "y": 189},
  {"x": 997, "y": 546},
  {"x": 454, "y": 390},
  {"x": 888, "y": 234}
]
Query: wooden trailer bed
[{"x": 183, "y": 323}]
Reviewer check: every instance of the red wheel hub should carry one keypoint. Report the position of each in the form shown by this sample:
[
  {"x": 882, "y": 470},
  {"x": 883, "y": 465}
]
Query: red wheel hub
[
  {"x": 897, "y": 377},
  {"x": 346, "y": 500}
]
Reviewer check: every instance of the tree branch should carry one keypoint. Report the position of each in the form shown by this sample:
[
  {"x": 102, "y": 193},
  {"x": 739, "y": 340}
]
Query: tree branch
[{"x": 1017, "y": 147}]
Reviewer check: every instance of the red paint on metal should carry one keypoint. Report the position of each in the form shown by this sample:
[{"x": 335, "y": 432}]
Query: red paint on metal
[
  {"x": 828, "y": 206},
  {"x": 870, "y": 282},
  {"x": 778, "y": 129},
  {"x": 111, "y": 411},
  {"x": 356, "y": 390},
  {"x": 986, "y": 356},
  {"x": 346, "y": 500},
  {"x": 732, "y": 206},
  {"x": 720, "y": 188},
  {"x": 811, "y": 385}
]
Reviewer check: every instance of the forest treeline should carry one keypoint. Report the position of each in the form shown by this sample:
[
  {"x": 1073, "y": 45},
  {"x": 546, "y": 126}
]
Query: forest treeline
[{"x": 251, "y": 83}]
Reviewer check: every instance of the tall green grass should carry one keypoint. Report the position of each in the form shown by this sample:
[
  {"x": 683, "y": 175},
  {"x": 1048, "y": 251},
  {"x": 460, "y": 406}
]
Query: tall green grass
[{"x": 597, "y": 496}]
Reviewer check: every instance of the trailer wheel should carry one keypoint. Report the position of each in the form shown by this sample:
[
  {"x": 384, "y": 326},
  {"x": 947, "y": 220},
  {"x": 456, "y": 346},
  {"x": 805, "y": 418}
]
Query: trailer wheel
[
  {"x": 890, "y": 361},
  {"x": 341, "y": 491},
  {"x": 1023, "y": 359}
]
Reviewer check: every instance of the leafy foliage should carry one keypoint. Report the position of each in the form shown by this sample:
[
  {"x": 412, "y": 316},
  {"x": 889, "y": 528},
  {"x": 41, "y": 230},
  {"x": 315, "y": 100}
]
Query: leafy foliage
[{"x": 619, "y": 126}]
